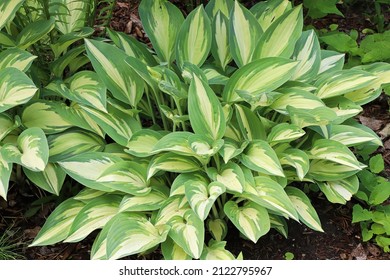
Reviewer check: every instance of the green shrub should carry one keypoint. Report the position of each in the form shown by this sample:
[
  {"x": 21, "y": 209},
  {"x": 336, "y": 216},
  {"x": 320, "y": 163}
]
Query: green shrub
[{"x": 225, "y": 121}]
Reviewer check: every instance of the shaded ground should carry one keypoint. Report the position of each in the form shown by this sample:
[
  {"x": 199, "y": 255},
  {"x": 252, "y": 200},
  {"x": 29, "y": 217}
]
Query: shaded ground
[{"x": 341, "y": 239}]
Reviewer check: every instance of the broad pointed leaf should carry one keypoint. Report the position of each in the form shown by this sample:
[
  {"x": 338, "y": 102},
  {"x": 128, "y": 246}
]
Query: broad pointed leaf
[
  {"x": 331, "y": 61},
  {"x": 251, "y": 126},
  {"x": 5, "y": 174},
  {"x": 142, "y": 143},
  {"x": 16, "y": 58},
  {"x": 214, "y": 6},
  {"x": 176, "y": 142},
  {"x": 297, "y": 159},
  {"x": 216, "y": 251},
  {"x": 267, "y": 12},
  {"x": 8, "y": 10},
  {"x": 320, "y": 116},
  {"x": 231, "y": 176},
  {"x": 174, "y": 206},
  {"x": 34, "y": 32},
  {"x": 285, "y": 132},
  {"x": 220, "y": 48},
  {"x": 50, "y": 179},
  {"x": 340, "y": 191},
  {"x": 326, "y": 170},
  {"x": 149, "y": 202},
  {"x": 172, "y": 251},
  {"x": 218, "y": 228},
  {"x": 352, "y": 136}
]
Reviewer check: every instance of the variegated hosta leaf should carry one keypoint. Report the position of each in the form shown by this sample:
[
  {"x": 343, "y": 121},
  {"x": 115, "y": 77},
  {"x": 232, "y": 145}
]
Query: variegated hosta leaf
[
  {"x": 231, "y": 149},
  {"x": 70, "y": 15},
  {"x": 279, "y": 223},
  {"x": 188, "y": 232},
  {"x": 320, "y": 116},
  {"x": 308, "y": 53},
  {"x": 306, "y": 212},
  {"x": 217, "y": 228},
  {"x": 7, "y": 124},
  {"x": 149, "y": 202},
  {"x": 220, "y": 48},
  {"x": 216, "y": 251},
  {"x": 8, "y": 10},
  {"x": 33, "y": 32},
  {"x": 297, "y": 159},
  {"x": 260, "y": 157},
  {"x": 251, "y": 220},
  {"x": 244, "y": 33},
  {"x": 15, "y": 88},
  {"x": 194, "y": 39},
  {"x": 284, "y": 132},
  {"x": 161, "y": 21},
  {"x": 119, "y": 127},
  {"x": 122, "y": 81},
  {"x": 58, "y": 224},
  {"x": 261, "y": 75},
  {"x": 214, "y": 75},
  {"x": 95, "y": 214},
  {"x": 205, "y": 110},
  {"x": 5, "y": 174},
  {"x": 178, "y": 185},
  {"x": 280, "y": 37},
  {"x": 16, "y": 58},
  {"x": 297, "y": 98},
  {"x": 87, "y": 167},
  {"x": 331, "y": 150},
  {"x": 326, "y": 170},
  {"x": 340, "y": 191},
  {"x": 72, "y": 142},
  {"x": 214, "y": 6},
  {"x": 331, "y": 61},
  {"x": 126, "y": 176},
  {"x": 172, "y": 251},
  {"x": 131, "y": 234},
  {"x": 203, "y": 147},
  {"x": 50, "y": 179},
  {"x": 352, "y": 136},
  {"x": 172, "y": 163},
  {"x": 250, "y": 125},
  {"x": 230, "y": 175},
  {"x": 344, "y": 108},
  {"x": 201, "y": 196},
  {"x": 143, "y": 71},
  {"x": 88, "y": 194},
  {"x": 268, "y": 11},
  {"x": 176, "y": 142},
  {"x": 142, "y": 143},
  {"x": 174, "y": 206},
  {"x": 32, "y": 150},
  {"x": 46, "y": 115},
  {"x": 269, "y": 194},
  {"x": 341, "y": 82}
]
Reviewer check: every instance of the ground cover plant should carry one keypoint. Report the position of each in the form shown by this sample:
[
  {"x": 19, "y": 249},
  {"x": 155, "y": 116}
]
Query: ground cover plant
[{"x": 232, "y": 118}]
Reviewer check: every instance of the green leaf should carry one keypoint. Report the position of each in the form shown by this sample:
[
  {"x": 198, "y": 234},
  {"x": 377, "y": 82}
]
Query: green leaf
[
  {"x": 194, "y": 38},
  {"x": 244, "y": 33},
  {"x": 220, "y": 48},
  {"x": 251, "y": 126},
  {"x": 50, "y": 179},
  {"x": 375, "y": 47},
  {"x": 95, "y": 214},
  {"x": 149, "y": 202},
  {"x": 352, "y": 136},
  {"x": 285, "y": 132},
  {"x": 231, "y": 176},
  {"x": 297, "y": 159},
  {"x": 8, "y": 10},
  {"x": 58, "y": 224},
  {"x": 7, "y": 125},
  {"x": 122, "y": 81},
  {"x": 131, "y": 234},
  {"x": 34, "y": 32},
  {"x": 217, "y": 228},
  {"x": 214, "y": 6},
  {"x": 326, "y": 170},
  {"x": 142, "y": 143},
  {"x": 231, "y": 149},
  {"x": 32, "y": 150},
  {"x": 281, "y": 36},
  {"x": 306, "y": 212},
  {"x": 341, "y": 42},
  {"x": 15, "y": 88},
  {"x": 359, "y": 214},
  {"x": 260, "y": 157},
  {"x": 216, "y": 251},
  {"x": 377, "y": 164},
  {"x": 269, "y": 11},
  {"x": 16, "y": 58},
  {"x": 331, "y": 61},
  {"x": 321, "y": 8},
  {"x": 205, "y": 110},
  {"x": 174, "y": 206},
  {"x": 251, "y": 220},
  {"x": 172, "y": 251},
  {"x": 320, "y": 116},
  {"x": 5, "y": 174},
  {"x": 176, "y": 142},
  {"x": 380, "y": 193},
  {"x": 162, "y": 21},
  {"x": 340, "y": 191},
  {"x": 261, "y": 75},
  {"x": 203, "y": 148},
  {"x": 188, "y": 232}
]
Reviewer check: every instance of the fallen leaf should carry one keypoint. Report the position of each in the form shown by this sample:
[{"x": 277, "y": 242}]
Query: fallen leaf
[{"x": 359, "y": 253}]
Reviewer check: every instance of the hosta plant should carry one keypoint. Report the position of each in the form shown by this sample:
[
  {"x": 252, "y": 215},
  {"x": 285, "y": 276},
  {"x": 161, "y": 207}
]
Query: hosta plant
[{"x": 223, "y": 123}]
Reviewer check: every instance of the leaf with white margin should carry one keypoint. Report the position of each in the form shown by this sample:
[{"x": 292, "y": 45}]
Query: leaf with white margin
[
  {"x": 58, "y": 224},
  {"x": 205, "y": 111},
  {"x": 142, "y": 143},
  {"x": 126, "y": 176},
  {"x": 174, "y": 206},
  {"x": 216, "y": 251},
  {"x": 281, "y": 36},
  {"x": 284, "y": 132},
  {"x": 251, "y": 220},
  {"x": 32, "y": 150},
  {"x": 260, "y": 157},
  {"x": 149, "y": 202},
  {"x": 194, "y": 38},
  {"x": 220, "y": 48},
  {"x": 331, "y": 150},
  {"x": 188, "y": 232},
  {"x": 352, "y": 136},
  {"x": 340, "y": 191},
  {"x": 51, "y": 179},
  {"x": 230, "y": 175},
  {"x": 16, "y": 58},
  {"x": 326, "y": 170},
  {"x": 218, "y": 228},
  {"x": 261, "y": 75},
  {"x": 308, "y": 53},
  {"x": 297, "y": 159},
  {"x": 271, "y": 195},
  {"x": 306, "y": 212},
  {"x": 16, "y": 88},
  {"x": 331, "y": 61},
  {"x": 130, "y": 235},
  {"x": 267, "y": 12},
  {"x": 172, "y": 251},
  {"x": 244, "y": 33},
  {"x": 5, "y": 175},
  {"x": 94, "y": 215},
  {"x": 201, "y": 196}
]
